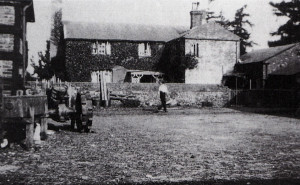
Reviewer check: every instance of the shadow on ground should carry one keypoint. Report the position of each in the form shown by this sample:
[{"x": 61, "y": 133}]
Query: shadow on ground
[
  {"x": 59, "y": 127},
  {"x": 9, "y": 180},
  {"x": 283, "y": 112},
  {"x": 237, "y": 182}
]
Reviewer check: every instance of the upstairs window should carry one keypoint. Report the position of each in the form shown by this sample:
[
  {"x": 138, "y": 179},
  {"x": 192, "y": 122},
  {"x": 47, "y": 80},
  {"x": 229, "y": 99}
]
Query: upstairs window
[
  {"x": 144, "y": 50},
  {"x": 195, "y": 50},
  {"x": 101, "y": 48},
  {"x": 94, "y": 48}
]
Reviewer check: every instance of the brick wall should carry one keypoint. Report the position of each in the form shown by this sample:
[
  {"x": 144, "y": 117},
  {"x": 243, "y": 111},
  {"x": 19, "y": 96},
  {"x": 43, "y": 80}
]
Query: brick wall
[
  {"x": 6, "y": 42},
  {"x": 7, "y": 15}
]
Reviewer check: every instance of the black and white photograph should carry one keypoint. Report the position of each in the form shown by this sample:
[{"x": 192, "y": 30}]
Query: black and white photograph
[{"x": 142, "y": 92}]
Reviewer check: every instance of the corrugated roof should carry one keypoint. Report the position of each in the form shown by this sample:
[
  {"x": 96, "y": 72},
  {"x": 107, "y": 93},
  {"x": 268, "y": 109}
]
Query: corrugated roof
[
  {"x": 126, "y": 32},
  {"x": 264, "y": 54},
  {"x": 212, "y": 31}
]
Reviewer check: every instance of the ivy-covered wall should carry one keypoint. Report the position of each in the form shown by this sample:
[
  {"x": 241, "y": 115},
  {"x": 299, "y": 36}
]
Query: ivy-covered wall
[{"x": 80, "y": 61}]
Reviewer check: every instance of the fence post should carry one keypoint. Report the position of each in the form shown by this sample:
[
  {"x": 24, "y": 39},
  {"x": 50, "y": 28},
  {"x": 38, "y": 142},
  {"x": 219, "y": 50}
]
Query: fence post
[{"x": 236, "y": 98}]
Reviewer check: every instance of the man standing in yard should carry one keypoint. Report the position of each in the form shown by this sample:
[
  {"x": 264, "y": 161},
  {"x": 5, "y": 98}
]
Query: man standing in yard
[{"x": 163, "y": 91}]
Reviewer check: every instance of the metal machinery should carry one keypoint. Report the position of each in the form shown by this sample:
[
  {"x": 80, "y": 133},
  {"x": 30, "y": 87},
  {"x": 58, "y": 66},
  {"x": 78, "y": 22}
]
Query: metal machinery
[
  {"x": 76, "y": 108},
  {"x": 26, "y": 110},
  {"x": 18, "y": 116}
]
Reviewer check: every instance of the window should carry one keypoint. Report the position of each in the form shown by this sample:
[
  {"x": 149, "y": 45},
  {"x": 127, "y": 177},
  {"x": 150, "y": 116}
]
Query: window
[
  {"x": 101, "y": 48},
  {"x": 195, "y": 50},
  {"x": 144, "y": 50},
  {"x": 94, "y": 48}
]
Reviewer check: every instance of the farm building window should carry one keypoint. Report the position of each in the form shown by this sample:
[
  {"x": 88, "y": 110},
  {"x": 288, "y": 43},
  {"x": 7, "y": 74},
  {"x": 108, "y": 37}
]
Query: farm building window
[
  {"x": 144, "y": 50},
  {"x": 195, "y": 50},
  {"x": 101, "y": 48},
  {"x": 94, "y": 48}
]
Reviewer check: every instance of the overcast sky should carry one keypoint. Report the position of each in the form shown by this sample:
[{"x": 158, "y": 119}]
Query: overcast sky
[{"x": 161, "y": 12}]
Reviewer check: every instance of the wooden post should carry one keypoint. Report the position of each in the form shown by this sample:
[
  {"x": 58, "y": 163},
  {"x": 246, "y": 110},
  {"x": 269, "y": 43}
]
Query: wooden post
[
  {"x": 44, "y": 127},
  {"x": 103, "y": 89},
  {"x": 236, "y": 94},
  {"x": 108, "y": 98},
  {"x": 30, "y": 128}
]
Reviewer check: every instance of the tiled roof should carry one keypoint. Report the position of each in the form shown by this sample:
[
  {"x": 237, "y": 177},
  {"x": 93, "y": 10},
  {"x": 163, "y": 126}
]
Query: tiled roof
[
  {"x": 264, "y": 54},
  {"x": 125, "y": 32},
  {"x": 135, "y": 32},
  {"x": 211, "y": 31},
  {"x": 288, "y": 63}
]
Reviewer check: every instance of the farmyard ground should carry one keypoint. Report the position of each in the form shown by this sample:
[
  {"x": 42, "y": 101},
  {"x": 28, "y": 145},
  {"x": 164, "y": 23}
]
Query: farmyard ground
[{"x": 205, "y": 146}]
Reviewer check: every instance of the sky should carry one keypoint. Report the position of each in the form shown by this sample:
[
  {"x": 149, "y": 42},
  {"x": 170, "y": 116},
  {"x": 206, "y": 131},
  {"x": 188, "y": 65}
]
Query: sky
[{"x": 159, "y": 12}]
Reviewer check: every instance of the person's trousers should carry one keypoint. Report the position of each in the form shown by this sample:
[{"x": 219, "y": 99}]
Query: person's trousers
[{"x": 163, "y": 100}]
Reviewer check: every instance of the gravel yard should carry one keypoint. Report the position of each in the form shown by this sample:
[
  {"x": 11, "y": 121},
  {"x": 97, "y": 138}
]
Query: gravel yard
[{"x": 206, "y": 146}]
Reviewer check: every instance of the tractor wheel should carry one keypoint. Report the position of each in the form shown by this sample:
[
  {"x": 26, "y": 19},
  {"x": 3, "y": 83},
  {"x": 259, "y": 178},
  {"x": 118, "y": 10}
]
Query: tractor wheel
[
  {"x": 73, "y": 123},
  {"x": 79, "y": 124},
  {"x": 86, "y": 129},
  {"x": 4, "y": 143},
  {"x": 87, "y": 126}
]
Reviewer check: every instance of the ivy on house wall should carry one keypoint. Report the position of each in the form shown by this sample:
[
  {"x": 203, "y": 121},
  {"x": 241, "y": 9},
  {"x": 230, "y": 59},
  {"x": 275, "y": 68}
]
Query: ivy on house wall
[
  {"x": 80, "y": 61},
  {"x": 174, "y": 62}
]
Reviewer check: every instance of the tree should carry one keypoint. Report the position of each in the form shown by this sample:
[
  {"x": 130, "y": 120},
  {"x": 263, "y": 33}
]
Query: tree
[
  {"x": 57, "y": 39},
  {"x": 238, "y": 27},
  {"x": 289, "y": 32},
  {"x": 44, "y": 68},
  {"x": 211, "y": 16},
  {"x": 57, "y": 28}
]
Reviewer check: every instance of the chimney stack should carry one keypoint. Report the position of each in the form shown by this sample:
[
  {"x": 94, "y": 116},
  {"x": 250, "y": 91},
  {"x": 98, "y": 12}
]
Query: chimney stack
[{"x": 198, "y": 17}]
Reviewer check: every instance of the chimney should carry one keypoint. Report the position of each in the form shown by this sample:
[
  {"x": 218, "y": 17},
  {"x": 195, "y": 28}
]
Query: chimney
[{"x": 198, "y": 17}]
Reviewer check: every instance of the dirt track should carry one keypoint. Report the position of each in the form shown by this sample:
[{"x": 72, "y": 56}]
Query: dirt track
[{"x": 211, "y": 146}]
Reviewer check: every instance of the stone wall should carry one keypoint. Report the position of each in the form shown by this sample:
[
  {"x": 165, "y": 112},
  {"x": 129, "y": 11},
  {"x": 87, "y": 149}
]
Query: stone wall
[
  {"x": 215, "y": 59},
  {"x": 184, "y": 94},
  {"x": 147, "y": 93}
]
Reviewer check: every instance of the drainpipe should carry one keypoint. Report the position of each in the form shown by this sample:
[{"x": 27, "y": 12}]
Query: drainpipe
[{"x": 24, "y": 39}]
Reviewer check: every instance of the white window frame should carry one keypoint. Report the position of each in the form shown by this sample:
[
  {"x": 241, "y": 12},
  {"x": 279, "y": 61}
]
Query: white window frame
[
  {"x": 101, "y": 48},
  {"x": 144, "y": 49},
  {"x": 94, "y": 48}
]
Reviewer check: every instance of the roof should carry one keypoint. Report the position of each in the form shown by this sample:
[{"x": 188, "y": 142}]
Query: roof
[
  {"x": 30, "y": 17},
  {"x": 210, "y": 31},
  {"x": 232, "y": 73},
  {"x": 121, "y": 31},
  {"x": 264, "y": 54},
  {"x": 290, "y": 69}
]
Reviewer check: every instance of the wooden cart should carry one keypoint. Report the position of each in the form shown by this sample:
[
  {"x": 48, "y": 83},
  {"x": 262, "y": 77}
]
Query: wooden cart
[{"x": 26, "y": 110}]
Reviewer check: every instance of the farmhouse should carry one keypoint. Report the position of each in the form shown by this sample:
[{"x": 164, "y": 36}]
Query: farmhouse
[
  {"x": 92, "y": 48},
  {"x": 275, "y": 67},
  {"x": 14, "y": 16}
]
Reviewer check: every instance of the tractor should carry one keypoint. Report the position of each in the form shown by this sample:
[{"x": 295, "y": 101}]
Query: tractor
[{"x": 65, "y": 104}]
